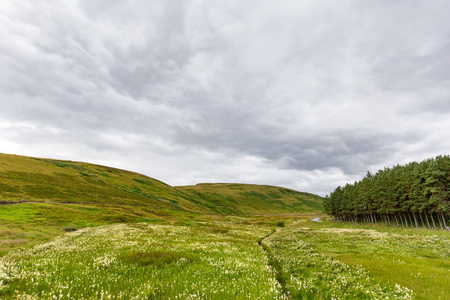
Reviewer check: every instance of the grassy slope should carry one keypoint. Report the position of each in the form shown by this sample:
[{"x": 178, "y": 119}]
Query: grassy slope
[
  {"x": 94, "y": 193},
  {"x": 33, "y": 179},
  {"x": 26, "y": 224},
  {"x": 253, "y": 199},
  {"x": 407, "y": 258},
  {"x": 66, "y": 181}
]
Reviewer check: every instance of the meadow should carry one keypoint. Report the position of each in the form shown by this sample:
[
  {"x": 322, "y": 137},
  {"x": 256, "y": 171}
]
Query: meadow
[
  {"x": 231, "y": 258},
  {"x": 331, "y": 260},
  {"x": 72, "y": 230},
  {"x": 144, "y": 261}
]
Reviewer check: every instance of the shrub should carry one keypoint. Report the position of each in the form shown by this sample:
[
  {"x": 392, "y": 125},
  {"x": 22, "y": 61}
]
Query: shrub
[
  {"x": 69, "y": 229},
  {"x": 280, "y": 224}
]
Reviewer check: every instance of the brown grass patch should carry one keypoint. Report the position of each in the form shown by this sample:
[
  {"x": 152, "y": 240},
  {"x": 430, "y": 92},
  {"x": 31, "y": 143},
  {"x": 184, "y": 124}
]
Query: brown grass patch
[{"x": 14, "y": 241}]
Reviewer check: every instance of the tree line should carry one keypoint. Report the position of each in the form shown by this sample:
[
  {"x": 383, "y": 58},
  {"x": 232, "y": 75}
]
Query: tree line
[{"x": 411, "y": 195}]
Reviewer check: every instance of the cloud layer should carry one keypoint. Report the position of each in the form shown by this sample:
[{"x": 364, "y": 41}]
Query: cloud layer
[{"x": 301, "y": 94}]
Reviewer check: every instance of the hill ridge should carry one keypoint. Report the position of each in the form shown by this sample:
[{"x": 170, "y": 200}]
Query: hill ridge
[{"x": 66, "y": 181}]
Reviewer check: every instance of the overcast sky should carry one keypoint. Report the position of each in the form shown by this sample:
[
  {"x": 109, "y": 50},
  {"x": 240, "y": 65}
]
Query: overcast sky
[{"x": 307, "y": 95}]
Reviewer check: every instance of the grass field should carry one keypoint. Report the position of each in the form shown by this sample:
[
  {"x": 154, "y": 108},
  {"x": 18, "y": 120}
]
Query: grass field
[
  {"x": 144, "y": 261},
  {"x": 25, "y": 224},
  {"x": 413, "y": 258},
  {"x": 139, "y": 238},
  {"x": 231, "y": 258}
]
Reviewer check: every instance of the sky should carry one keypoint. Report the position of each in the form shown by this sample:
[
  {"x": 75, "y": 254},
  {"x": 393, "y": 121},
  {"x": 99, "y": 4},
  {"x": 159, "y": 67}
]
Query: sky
[{"x": 301, "y": 94}]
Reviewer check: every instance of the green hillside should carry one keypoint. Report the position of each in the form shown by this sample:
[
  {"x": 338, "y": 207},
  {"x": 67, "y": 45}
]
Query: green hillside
[
  {"x": 53, "y": 194},
  {"x": 230, "y": 198},
  {"x": 37, "y": 179},
  {"x": 210, "y": 241}
]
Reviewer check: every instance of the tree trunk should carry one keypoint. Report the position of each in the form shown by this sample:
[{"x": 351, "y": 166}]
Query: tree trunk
[
  {"x": 415, "y": 220},
  {"x": 432, "y": 219},
  {"x": 423, "y": 224},
  {"x": 396, "y": 220},
  {"x": 426, "y": 218},
  {"x": 443, "y": 221},
  {"x": 440, "y": 221},
  {"x": 401, "y": 220},
  {"x": 406, "y": 220},
  {"x": 410, "y": 220}
]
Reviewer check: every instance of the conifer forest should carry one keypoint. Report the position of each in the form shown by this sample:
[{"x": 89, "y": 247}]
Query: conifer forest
[{"x": 411, "y": 195}]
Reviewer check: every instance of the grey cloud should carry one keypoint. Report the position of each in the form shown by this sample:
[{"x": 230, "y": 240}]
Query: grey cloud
[{"x": 258, "y": 91}]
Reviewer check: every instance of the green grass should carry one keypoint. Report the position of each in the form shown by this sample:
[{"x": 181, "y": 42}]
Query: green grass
[
  {"x": 37, "y": 179},
  {"x": 23, "y": 225},
  {"x": 91, "y": 193},
  {"x": 416, "y": 259},
  {"x": 144, "y": 261},
  {"x": 215, "y": 257},
  {"x": 139, "y": 237},
  {"x": 245, "y": 199},
  {"x": 157, "y": 258},
  {"x": 308, "y": 274}
]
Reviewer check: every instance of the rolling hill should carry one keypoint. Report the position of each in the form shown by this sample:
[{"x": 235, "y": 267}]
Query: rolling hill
[
  {"x": 36, "y": 179},
  {"x": 48, "y": 195},
  {"x": 232, "y": 198},
  {"x": 47, "y": 180},
  {"x": 214, "y": 240}
]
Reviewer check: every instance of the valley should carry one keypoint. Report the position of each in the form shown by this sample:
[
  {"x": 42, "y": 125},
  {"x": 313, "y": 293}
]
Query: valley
[{"x": 72, "y": 230}]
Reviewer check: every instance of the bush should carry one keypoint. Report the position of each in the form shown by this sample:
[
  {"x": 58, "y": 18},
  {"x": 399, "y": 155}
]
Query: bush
[
  {"x": 69, "y": 229},
  {"x": 280, "y": 224}
]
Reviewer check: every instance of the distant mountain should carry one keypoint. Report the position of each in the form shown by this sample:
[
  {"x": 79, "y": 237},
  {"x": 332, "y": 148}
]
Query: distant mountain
[{"x": 39, "y": 179}]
